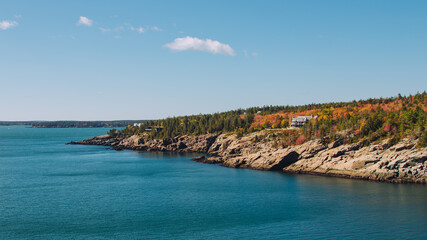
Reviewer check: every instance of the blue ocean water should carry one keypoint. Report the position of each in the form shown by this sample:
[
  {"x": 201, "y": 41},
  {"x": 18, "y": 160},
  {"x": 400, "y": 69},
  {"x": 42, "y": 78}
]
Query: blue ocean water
[{"x": 49, "y": 190}]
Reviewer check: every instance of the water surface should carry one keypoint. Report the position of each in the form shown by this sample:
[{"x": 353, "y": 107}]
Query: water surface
[{"x": 49, "y": 190}]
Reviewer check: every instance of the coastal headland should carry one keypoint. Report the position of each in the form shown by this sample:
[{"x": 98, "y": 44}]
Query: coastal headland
[
  {"x": 381, "y": 139},
  {"x": 404, "y": 162}
]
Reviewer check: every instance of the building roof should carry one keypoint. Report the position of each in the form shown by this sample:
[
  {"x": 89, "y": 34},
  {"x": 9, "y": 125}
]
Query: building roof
[{"x": 303, "y": 118}]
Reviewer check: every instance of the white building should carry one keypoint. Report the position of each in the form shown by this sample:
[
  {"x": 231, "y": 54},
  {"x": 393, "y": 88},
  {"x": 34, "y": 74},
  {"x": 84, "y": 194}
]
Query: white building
[{"x": 301, "y": 120}]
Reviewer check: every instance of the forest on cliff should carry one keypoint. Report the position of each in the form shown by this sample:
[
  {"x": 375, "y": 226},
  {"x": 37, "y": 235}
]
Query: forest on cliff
[{"x": 366, "y": 121}]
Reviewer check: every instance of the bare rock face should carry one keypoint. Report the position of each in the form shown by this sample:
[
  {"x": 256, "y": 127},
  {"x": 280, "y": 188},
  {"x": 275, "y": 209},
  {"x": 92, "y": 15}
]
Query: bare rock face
[
  {"x": 403, "y": 162},
  {"x": 400, "y": 163},
  {"x": 178, "y": 144},
  {"x": 103, "y": 140}
]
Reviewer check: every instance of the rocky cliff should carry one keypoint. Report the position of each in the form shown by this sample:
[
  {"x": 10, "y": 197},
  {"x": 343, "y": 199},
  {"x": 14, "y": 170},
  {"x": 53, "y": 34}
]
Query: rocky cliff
[
  {"x": 198, "y": 144},
  {"x": 402, "y": 163}
]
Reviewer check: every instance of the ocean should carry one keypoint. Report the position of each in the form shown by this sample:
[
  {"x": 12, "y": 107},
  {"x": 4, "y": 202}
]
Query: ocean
[{"x": 50, "y": 190}]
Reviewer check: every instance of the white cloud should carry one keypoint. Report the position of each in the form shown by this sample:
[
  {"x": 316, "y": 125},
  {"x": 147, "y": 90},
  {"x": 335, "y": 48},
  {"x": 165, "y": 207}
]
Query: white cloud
[
  {"x": 84, "y": 21},
  {"x": 104, "y": 29},
  {"x": 8, "y": 24},
  {"x": 204, "y": 45},
  {"x": 154, "y": 28},
  {"x": 137, "y": 29},
  {"x": 253, "y": 54}
]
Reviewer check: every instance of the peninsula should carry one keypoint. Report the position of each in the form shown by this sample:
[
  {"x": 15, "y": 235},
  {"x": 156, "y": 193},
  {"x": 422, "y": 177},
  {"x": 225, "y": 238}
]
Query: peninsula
[{"x": 375, "y": 139}]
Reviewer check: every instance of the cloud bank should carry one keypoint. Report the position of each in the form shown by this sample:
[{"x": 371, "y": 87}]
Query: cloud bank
[
  {"x": 203, "y": 45},
  {"x": 4, "y": 25},
  {"x": 85, "y": 21}
]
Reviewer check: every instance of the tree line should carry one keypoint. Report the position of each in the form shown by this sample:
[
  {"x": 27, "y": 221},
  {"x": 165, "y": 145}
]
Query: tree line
[{"x": 364, "y": 120}]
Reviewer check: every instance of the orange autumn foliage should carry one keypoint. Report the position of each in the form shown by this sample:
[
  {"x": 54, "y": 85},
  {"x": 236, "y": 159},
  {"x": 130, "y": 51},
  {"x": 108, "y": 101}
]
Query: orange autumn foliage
[{"x": 335, "y": 113}]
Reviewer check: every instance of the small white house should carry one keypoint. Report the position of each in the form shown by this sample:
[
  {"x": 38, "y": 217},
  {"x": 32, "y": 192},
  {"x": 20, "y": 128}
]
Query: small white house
[{"x": 301, "y": 120}]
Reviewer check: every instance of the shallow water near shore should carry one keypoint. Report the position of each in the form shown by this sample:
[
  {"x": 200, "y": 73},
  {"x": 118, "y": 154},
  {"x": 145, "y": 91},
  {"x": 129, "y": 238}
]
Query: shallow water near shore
[{"x": 50, "y": 190}]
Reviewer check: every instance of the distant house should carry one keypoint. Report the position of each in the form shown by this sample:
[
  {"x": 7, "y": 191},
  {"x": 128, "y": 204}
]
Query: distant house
[
  {"x": 137, "y": 124},
  {"x": 301, "y": 120}
]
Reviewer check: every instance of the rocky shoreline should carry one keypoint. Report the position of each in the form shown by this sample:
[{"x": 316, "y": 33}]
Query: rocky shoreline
[{"x": 401, "y": 163}]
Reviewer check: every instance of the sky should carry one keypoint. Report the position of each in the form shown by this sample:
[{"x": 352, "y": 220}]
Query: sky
[{"x": 109, "y": 60}]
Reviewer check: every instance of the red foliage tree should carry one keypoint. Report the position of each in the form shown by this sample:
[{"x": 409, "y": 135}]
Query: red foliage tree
[
  {"x": 387, "y": 127},
  {"x": 300, "y": 140}
]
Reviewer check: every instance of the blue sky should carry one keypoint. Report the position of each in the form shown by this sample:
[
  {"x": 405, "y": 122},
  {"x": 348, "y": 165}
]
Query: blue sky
[{"x": 104, "y": 60}]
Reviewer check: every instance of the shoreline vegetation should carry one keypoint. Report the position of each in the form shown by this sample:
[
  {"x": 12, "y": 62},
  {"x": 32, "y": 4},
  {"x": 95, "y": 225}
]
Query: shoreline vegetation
[{"x": 381, "y": 139}]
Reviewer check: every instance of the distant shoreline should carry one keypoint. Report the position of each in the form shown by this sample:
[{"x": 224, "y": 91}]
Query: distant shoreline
[
  {"x": 80, "y": 127},
  {"x": 72, "y": 124}
]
